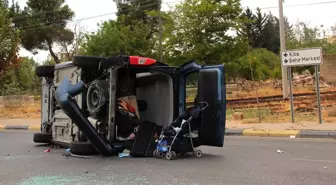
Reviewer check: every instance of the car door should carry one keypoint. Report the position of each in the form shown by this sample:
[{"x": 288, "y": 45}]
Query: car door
[{"x": 211, "y": 89}]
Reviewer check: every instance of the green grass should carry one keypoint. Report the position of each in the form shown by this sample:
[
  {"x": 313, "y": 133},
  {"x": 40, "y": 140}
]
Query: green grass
[{"x": 249, "y": 113}]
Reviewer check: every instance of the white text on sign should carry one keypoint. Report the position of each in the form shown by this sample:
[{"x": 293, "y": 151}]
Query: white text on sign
[{"x": 302, "y": 57}]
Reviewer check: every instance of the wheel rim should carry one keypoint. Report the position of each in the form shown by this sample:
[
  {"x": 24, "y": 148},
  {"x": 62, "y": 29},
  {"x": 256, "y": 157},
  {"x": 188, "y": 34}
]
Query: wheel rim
[{"x": 95, "y": 98}]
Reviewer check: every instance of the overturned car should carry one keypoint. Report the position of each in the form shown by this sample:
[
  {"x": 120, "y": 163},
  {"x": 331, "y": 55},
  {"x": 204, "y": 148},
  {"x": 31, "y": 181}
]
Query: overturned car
[{"x": 96, "y": 105}]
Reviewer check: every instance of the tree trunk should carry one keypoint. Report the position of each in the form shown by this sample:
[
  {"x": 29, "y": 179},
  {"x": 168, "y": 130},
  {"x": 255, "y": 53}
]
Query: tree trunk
[
  {"x": 52, "y": 52},
  {"x": 69, "y": 55},
  {"x": 17, "y": 76}
]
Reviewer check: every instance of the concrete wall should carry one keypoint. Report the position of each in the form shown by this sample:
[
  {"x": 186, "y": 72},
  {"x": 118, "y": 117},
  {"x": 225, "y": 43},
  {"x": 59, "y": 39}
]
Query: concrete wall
[{"x": 328, "y": 68}]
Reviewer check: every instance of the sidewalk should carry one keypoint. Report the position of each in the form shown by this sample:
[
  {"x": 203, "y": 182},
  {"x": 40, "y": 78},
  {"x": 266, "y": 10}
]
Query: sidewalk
[
  {"x": 20, "y": 124},
  {"x": 304, "y": 129},
  {"x": 301, "y": 130},
  {"x": 282, "y": 126}
]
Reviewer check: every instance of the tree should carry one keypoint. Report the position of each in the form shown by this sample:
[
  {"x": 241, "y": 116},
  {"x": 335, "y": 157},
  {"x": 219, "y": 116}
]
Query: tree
[
  {"x": 253, "y": 26},
  {"x": 247, "y": 29},
  {"x": 199, "y": 29},
  {"x": 271, "y": 34},
  {"x": 9, "y": 40},
  {"x": 260, "y": 24},
  {"x": 289, "y": 31},
  {"x": 262, "y": 31},
  {"x": 70, "y": 44},
  {"x": 133, "y": 12},
  {"x": 136, "y": 10},
  {"x": 43, "y": 23},
  {"x": 21, "y": 79},
  {"x": 306, "y": 36},
  {"x": 112, "y": 38}
]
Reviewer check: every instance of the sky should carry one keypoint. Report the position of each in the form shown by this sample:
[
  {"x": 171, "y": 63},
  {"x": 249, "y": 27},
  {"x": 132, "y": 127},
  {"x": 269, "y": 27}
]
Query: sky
[{"x": 95, "y": 11}]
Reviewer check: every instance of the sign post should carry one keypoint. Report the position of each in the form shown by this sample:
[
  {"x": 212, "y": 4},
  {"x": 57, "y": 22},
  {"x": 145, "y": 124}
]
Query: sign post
[
  {"x": 317, "y": 81},
  {"x": 303, "y": 57},
  {"x": 291, "y": 92}
]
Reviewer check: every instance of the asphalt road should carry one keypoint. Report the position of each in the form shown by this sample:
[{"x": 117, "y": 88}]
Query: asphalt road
[{"x": 243, "y": 161}]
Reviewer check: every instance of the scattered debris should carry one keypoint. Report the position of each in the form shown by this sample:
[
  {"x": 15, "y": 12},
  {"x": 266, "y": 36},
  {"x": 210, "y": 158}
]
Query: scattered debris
[
  {"x": 86, "y": 171},
  {"x": 69, "y": 154},
  {"x": 47, "y": 150},
  {"x": 76, "y": 156},
  {"x": 126, "y": 151},
  {"x": 292, "y": 137},
  {"x": 279, "y": 151},
  {"x": 238, "y": 116},
  {"x": 122, "y": 155},
  {"x": 325, "y": 167}
]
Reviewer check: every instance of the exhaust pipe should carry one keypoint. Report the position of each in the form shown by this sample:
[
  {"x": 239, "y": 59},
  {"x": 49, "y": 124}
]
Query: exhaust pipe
[{"x": 64, "y": 97}]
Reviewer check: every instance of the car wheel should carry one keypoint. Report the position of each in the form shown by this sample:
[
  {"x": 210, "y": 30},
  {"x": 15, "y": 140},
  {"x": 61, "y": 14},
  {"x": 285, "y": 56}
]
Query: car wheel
[
  {"x": 83, "y": 61},
  {"x": 45, "y": 71},
  {"x": 42, "y": 138}
]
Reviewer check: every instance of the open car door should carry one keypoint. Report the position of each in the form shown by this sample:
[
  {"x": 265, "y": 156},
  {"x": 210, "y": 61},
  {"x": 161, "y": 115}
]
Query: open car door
[{"x": 211, "y": 89}]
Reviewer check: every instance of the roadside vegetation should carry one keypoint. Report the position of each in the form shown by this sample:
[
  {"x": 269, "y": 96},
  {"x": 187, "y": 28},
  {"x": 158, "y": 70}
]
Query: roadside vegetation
[{"x": 209, "y": 31}]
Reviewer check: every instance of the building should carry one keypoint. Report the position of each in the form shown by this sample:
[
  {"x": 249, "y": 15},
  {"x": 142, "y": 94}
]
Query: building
[{"x": 328, "y": 68}]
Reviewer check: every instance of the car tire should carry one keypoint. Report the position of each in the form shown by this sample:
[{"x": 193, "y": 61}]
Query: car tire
[
  {"x": 83, "y": 61},
  {"x": 42, "y": 138},
  {"x": 82, "y": 148},
  {"x": 45, "y": 71}
]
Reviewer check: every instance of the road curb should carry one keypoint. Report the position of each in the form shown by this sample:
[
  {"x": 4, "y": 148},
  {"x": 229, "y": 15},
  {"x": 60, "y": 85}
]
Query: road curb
[
  {"x": 228, "y": 132},
  {"x": 21, "y": 127},
  {"x": 256, "y": 132},
  {"x": 315, "y": 134},
  {"x": 34, "y": 128},
  {"x": 282, "y": 133}
]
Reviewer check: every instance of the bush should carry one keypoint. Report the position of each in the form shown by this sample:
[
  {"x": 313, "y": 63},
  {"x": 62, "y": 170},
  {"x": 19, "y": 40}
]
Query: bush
[
  {"x": 21, "y": 79},
  {"x": 265, "y": 64}
]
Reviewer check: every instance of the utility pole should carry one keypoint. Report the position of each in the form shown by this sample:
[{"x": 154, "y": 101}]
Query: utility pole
[
  {"x": 160, "y": 32},
  {"x": 285, "y": 89}
]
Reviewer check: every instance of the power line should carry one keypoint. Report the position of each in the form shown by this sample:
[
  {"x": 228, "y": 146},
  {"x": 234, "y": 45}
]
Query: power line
[
  {"x": 272, "y": 7},
  {"x": 29, "y": 28},
  {"x": 51, "y": 11},
  {"x": 299, "y": 5},
  {"x": 111, "y": 13}
]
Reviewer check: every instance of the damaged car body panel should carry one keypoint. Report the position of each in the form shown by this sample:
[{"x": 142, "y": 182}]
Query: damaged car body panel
[
  {"x": 211, "y": 89},
  {"x": 109, "y": 104}
]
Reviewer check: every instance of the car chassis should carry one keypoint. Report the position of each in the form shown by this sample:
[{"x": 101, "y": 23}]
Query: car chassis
[{"x": 79, "y": 103}]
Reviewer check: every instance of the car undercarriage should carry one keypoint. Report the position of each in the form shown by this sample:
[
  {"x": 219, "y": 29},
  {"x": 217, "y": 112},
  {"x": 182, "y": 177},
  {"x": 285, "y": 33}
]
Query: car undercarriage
[{"x": 98, "y": 105}]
